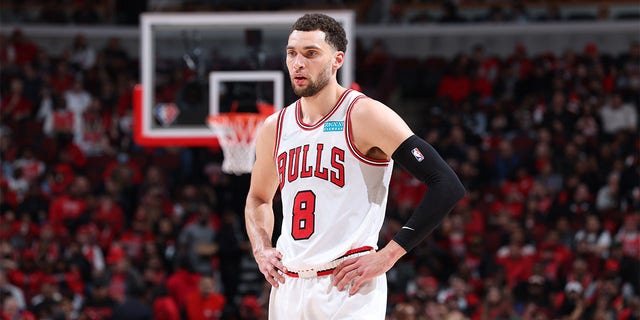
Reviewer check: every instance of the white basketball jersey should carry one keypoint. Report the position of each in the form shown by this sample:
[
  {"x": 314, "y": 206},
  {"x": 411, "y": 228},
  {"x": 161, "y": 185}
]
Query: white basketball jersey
[{"x": 333, "y": 196}]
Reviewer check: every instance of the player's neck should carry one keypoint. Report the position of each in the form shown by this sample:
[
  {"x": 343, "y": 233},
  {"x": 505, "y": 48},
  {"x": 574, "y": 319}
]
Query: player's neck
[{"x": 317, "y": 106}]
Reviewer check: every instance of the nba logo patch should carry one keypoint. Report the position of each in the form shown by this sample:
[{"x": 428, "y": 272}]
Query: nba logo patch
[
  {"x": 166, "y": 113},
  {"x": 417, "y": 154}
]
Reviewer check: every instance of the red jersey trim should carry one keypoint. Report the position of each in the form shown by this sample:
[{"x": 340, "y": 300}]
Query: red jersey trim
[
  {"x": 279, "y": 124},
  {"x": 352, "y": 147},
  {"x": 357, "y": 250},
  {"x": 305, "y": 126}
]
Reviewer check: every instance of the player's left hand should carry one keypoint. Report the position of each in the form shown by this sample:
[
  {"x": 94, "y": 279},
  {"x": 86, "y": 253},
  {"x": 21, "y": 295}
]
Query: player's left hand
[{"x": 357, "y": 271}]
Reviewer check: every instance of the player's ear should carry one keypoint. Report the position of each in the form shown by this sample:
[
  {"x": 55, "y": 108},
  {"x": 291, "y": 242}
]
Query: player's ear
[{"x": 338, "y": 60}]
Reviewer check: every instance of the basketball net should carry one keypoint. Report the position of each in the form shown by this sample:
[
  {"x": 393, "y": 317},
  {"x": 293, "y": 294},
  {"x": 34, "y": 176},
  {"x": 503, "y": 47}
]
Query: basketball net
[{"x": 236, "y": 133}]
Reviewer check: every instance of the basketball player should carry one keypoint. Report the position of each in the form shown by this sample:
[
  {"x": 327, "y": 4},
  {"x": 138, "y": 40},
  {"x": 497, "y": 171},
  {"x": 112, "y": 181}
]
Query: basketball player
[{"x": 331, "y": 154}]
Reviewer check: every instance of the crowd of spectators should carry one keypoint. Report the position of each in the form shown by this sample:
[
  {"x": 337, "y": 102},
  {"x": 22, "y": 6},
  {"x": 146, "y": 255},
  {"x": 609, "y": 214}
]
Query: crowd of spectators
[
  {"x": 93, "y": 226},
  {"x": 374, "y": 12},
  {"x": 548, "y": 148}
]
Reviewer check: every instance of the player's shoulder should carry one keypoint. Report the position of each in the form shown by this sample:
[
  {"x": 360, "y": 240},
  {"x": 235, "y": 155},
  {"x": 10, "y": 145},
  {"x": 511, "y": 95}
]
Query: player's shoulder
[
  {"x": 366, "y": 107},
  {"x": 271, "y": 121},
  {"x": 269, "y": 127}
]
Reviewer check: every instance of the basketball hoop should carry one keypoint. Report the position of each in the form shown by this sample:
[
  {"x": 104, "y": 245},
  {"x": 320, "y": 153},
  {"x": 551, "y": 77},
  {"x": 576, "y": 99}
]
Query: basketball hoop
[{"x": 236, "y": 133}]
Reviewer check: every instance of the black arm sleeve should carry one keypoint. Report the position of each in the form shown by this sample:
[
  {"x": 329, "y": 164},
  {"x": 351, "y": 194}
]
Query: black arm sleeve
[{"x": 444, "y": 190}]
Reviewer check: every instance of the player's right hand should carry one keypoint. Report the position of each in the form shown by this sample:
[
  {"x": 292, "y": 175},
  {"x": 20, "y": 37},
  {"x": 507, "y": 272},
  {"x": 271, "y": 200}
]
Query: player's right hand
[{"x": 270, "y": 264}]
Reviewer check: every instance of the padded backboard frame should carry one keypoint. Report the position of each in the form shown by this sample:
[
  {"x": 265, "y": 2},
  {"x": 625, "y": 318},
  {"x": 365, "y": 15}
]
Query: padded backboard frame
[{"x": 146, "y": 134}]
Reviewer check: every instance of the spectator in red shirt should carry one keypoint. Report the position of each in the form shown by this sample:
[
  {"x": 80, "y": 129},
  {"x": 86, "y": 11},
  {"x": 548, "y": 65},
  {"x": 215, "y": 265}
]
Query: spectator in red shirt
[
  {"x": 205, "y": 303},
  {"x": 47, "y": 247},
  {"x": 250, "y": 308},
  {"x": 15, "y": 106},
  {"x": 456, "y": 85},
  {"x": 108, "y": 213},
  {"x": 554, "y": 257},
  {"x": 60, "y": 178},
  {"x": 57, "y": 118},
  {"x": 29, "y": 275},
  {"x": 164, "y": 307},
  {"x": 62, "y": 79},
  {"x": 181, "y": 281},
  {"x": 69, "y": 152},
  {"x": 521, "y": 61},
  {"x": 135, "y": 239},
  {"x": 483, "y": 88},
  {"x": 517, "y": 257},
  {"x": 70, "y": 209},
  {"x": 24, "y": 50},
  {"x": 513, "y": 202}
]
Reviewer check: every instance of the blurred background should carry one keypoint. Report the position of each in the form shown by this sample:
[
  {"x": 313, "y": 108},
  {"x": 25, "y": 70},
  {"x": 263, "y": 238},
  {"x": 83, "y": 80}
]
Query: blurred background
[{"x": 533, "y": 103}]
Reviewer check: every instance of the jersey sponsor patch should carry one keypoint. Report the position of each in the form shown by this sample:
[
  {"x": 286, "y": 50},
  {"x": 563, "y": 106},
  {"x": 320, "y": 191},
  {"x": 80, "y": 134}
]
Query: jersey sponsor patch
[
  {"x": 332, "y": 126},
  {"x": 417, "y": 154}
]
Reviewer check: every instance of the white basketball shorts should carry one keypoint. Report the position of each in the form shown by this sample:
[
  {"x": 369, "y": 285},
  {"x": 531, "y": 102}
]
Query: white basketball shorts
[{"x": 317, "y": 299}]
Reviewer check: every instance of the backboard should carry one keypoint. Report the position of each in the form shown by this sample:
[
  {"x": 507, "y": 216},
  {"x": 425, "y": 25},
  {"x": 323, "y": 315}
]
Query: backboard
[{"x": 198, "y": 64}]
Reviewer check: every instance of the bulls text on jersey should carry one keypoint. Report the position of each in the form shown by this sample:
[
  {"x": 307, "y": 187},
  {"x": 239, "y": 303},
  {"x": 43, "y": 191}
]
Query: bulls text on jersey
[{"x": 294, "y": 164}]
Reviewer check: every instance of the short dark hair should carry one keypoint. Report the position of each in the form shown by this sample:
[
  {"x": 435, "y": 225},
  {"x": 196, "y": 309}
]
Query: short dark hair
[{"x": 333, "y": 30}]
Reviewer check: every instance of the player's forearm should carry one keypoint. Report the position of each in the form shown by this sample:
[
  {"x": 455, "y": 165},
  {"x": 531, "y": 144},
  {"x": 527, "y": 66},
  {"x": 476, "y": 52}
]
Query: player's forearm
[
  {"x": 393, "y": 252},
  {"x": 260, "y": 221}
]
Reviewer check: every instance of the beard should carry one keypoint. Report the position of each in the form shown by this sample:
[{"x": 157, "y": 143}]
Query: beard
[{"x": 313, "y": 87}]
